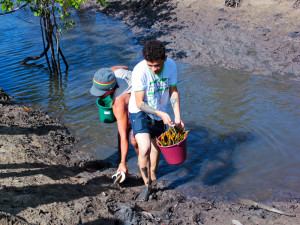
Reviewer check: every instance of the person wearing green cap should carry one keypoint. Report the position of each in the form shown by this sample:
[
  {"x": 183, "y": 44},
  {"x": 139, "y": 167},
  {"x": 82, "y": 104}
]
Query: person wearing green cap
[{"x": 113, "y": 87}]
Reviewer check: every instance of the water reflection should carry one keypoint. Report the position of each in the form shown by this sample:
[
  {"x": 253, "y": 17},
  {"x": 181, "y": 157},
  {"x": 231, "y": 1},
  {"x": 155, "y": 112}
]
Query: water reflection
[
  {"x": 57, "y": 87},
  {"x": 244, "y": 129},
  {"x": 210, "y": 158}
]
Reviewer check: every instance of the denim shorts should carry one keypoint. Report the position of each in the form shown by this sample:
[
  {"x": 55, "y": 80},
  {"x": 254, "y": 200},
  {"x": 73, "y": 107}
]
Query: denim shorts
[{"x": 142, "y": 123}]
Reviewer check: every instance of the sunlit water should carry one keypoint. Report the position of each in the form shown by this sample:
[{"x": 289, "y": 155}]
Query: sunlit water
[{"x": 244, "y": 130}]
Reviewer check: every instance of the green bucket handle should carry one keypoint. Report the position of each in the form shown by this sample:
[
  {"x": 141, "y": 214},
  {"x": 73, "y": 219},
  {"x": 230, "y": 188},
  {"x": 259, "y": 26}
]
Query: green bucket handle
[{"x": 106, "y": 114}]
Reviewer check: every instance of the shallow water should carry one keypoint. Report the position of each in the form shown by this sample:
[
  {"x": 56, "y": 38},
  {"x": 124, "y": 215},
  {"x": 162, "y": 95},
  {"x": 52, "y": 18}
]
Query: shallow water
[{"x": 244, "y": 130}]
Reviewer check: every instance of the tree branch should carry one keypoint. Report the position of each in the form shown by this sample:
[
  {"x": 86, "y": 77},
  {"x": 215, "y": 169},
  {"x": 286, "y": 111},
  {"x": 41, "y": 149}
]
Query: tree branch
[
  {"x": 36, "y": 57},
  {"x": 64, "y": 59},
  {"x": 43, "y": 38},
  {"x": 262, "y": 206},
  {"x": 12, "y": 11}
]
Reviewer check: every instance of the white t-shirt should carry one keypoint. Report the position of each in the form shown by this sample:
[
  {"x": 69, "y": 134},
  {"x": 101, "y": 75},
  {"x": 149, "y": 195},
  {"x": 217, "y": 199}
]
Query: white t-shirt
[
  {"x": 123, "y": 81},
  {"x": 156, "y": 87}
]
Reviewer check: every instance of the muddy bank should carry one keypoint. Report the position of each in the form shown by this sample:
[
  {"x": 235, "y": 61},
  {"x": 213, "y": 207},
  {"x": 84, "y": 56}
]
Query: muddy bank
[
  {"x": 262, "y": 37},
  {"x": 43, "y": 180}
]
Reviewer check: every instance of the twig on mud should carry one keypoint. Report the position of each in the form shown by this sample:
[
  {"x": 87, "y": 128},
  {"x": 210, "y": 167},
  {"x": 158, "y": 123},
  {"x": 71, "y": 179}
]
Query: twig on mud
[
  {"x": 294, "y": 2},
  {"x": 262, "y": 206},
  {"x": 189, "y": 5},
  {"x": 148, "y": 215}
]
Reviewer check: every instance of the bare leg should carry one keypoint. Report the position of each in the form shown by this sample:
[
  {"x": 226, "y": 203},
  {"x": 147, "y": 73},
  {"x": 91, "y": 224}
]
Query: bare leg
[
  {"x": 143, "y": 140},
  {"x": 144, "y": 143},
  {"x": 154, "y": 159},
  {"x": 134, "y": 143}
]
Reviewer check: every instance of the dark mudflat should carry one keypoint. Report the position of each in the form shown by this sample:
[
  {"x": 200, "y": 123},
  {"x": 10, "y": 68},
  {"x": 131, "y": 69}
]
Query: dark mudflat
[{"x": 261, "y": 37}]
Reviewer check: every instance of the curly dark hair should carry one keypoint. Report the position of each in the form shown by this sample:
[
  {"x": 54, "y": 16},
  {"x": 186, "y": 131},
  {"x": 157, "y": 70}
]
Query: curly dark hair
[{"x": 154, "y": 50}]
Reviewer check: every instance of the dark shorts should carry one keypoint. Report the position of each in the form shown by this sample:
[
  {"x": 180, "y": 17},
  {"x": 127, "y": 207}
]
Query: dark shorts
[{"x": 142, "y": 123}]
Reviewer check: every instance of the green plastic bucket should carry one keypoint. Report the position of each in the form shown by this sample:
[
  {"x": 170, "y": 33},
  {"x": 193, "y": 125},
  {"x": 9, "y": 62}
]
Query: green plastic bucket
[{"x": 106, "y": 114}]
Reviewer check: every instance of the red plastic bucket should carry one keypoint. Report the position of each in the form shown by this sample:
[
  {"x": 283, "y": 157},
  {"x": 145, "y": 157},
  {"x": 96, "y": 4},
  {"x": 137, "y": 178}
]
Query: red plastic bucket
[{"x": 174, "y": 154}]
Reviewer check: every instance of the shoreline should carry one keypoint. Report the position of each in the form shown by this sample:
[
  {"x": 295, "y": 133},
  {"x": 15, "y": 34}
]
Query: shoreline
[
  {"x": 262, "y": 38},
  {"x": 45, "y": 181}
]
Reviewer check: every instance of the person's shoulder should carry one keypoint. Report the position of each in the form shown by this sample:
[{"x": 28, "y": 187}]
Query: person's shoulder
[
  {"x": 122, "y": 99},
  {"x": 122, "y": 73},
  {"x": 170, "y": 61},
  {"x": 141, "y": 66}
]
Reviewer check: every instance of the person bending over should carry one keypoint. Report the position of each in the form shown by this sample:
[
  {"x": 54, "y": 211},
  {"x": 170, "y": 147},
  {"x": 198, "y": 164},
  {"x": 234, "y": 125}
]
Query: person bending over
[{"x": 113, "y": 86}]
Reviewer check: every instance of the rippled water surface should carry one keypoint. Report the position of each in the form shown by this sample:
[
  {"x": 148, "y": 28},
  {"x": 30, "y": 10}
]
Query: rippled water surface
[{"x": 244, "y": 130}]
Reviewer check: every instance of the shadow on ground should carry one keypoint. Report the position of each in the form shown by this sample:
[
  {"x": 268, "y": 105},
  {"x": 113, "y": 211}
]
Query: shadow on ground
[{"x": 146, "y": 16}]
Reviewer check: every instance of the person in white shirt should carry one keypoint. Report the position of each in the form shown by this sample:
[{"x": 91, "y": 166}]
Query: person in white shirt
[{"x": 154, "y": 82}]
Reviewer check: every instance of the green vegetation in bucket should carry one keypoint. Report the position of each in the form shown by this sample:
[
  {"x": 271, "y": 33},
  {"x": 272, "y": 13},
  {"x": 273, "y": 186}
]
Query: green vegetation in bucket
[{"x": 172, "y": 136}]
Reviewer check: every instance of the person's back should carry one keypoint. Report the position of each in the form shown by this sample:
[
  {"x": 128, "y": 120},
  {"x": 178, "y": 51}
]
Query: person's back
[
  {"x": 123, "y": 81},
  {"x": 113, "y": 85}
]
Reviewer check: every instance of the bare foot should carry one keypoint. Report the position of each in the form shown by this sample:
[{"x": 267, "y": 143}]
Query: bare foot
[
  {"x": 153, "y": 176},
  {"x": 154, "y": 183}
]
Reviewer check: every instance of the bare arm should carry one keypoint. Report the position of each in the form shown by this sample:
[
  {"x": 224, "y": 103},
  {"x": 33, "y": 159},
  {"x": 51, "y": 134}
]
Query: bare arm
[
  {"x": 115, "y": 68},
  {"x": 174, "y": 99},
  {"x": 121, "y": 113},
  {"x": 139, "y": 96}
]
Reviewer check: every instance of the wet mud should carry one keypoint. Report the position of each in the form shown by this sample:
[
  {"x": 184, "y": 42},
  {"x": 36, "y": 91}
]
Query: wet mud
[
  {"x": 260, "y": 37},
  {"x": 44, "y": 180}
]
